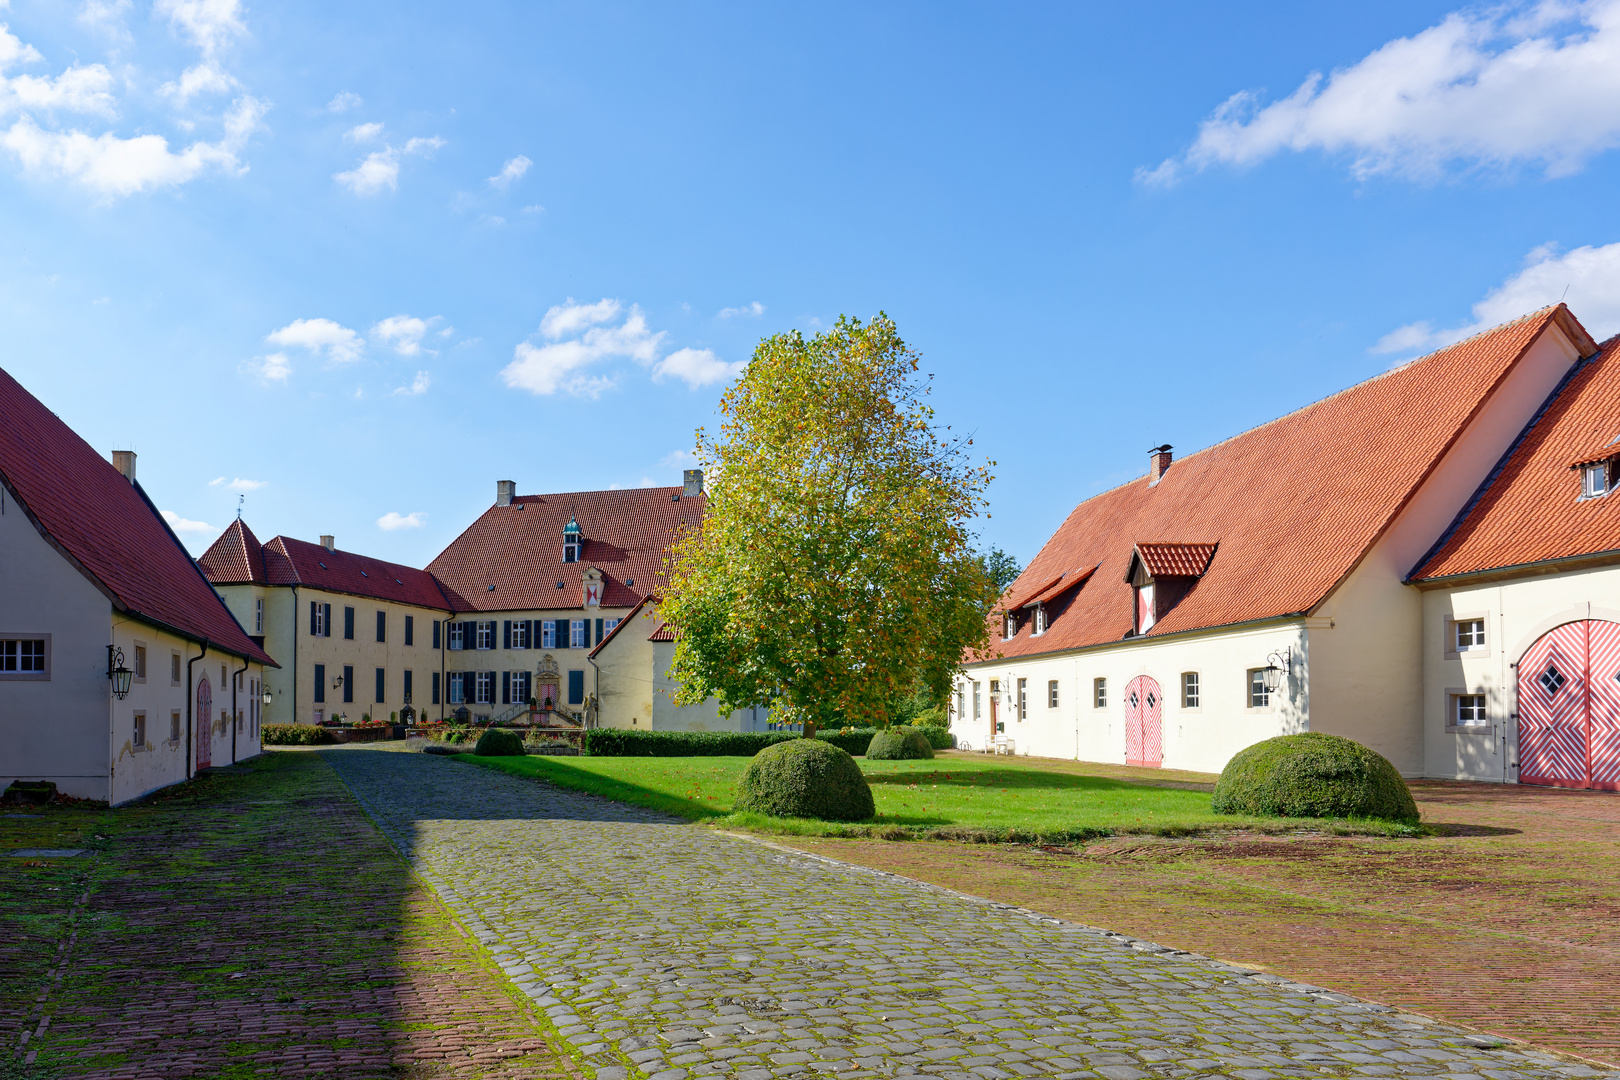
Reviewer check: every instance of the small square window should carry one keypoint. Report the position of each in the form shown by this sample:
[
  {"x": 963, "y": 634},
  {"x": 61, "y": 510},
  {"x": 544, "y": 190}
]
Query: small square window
[
  {"x": 1470, "y": 634},
  {"x": 1099, "y": 693},
  {"x": 1468, "y": 710},
  {"x": 1052, "y": 694},
  {"x": 1189, "y": 689},
  {"x": 1259, "y": 696},
  {"x": 1595, "y": 480}
]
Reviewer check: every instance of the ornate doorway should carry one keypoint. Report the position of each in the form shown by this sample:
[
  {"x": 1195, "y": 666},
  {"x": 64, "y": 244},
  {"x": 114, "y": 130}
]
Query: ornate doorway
[
  {"x": 1144, "y": 723},
  {"x": 1569, "y": 707}
]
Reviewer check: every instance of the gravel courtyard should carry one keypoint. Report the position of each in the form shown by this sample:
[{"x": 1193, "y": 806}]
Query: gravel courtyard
[{"x": 664, "y": 948}]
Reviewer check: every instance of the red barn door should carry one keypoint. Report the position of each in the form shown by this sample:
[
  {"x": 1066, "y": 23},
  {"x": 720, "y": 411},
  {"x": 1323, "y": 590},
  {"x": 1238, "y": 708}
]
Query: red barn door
[
  {"x": 1144, "y": 723},
  {"x": 1569, "y": 707},
  {"x": 204, "y": 721}
]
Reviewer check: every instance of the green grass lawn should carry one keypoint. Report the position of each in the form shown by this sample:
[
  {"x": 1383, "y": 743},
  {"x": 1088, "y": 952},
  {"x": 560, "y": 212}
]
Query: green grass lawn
[{"x": 954, "y": 797}]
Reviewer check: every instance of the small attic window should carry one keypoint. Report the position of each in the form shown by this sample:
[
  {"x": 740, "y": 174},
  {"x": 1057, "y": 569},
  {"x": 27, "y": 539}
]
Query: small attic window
[
  {"x": 675, "y": 497},
  {"x": 629, "y": 581},
  {"x": 364, "y": 574},
  {"x": 398, "y": 582},
  {"x": 560, "y": 585},
  {"x": 492, "y": 588},
  {"x": 320, "y": 564},
  {"x": 1595, "y": 480}
]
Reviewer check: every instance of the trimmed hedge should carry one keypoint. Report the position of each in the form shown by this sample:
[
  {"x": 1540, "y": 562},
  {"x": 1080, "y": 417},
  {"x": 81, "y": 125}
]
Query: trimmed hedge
[
  {"x": 499, "y": 742},
  {"x": 899, "y": 744},
  {"x": 1313, "y": 775},
  {"x": 294, "y": 735},
  {"x": 805, "y": 778},
  {"x": 938, "y": 737},
  {"x": 849, "y": 740},
  {"x": 620, "y": 742}
]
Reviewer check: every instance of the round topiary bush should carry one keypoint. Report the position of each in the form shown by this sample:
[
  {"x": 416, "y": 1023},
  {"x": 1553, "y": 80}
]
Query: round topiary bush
[
  {"x": 1313, "y": 775},
  {"x": 805, "y": 778},
  {"x": 498, "y": 742},
  {"x": 897, "y": 744}
]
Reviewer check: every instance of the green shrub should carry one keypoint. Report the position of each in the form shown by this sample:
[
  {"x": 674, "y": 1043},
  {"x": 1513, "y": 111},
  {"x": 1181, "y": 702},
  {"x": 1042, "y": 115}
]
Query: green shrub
[
  {"x": 1313, "y": 775},
  {"x": 940, "y": 738},
  {"x": 849, "y": 740},
  {"x": 456, "y": 735},
  {"x": 632, "y": 742},
  {"x": 294, "y": 735},
  {"x": 805, "y": 778},
  {"x": 499, "y": 742},
  {"x": 899, "y": 744}
]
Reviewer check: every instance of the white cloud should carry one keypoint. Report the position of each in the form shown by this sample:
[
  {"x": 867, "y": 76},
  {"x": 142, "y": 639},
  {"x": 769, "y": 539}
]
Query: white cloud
[
  {"x": 78, "y": 89},
  {"x": 570, "y": 318},
  {"x": 105, "y": 16},
  {"x": 392, "y": 520},
  {"x": 679, "y": 459},
  {"x": 238, "y": 484},
  {"x": 696, "y": 367},
  {"x": 203, "y": 78},
  {"x": 403, "y": 333},
  {"x": 113, "y": 166},
  {"x": 185, "y": 527},
  {"x": 209, "y": 24},
  {"x": 1587, "y": 279},
  {"x": 363, "y": 132},
  {"x": 419, "y": 385},
  {"x": 510, "y": 172},
  {"x": 545, "y": 369},
  {"x": 344, "y": 101},
  {"x": 272, "y": 368},
  {"x": 14, "y": 52},
  {"x": 322, "y": 337},
  {"x": 754, "y": 309},
  {"x": 535, "y": 209},
  {"x": 1491, "y": 86},
  {"x": 380, "y": 169}
]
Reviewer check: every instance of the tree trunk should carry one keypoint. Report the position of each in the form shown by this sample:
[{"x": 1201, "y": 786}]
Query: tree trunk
[{"x": 809, "y": 729}]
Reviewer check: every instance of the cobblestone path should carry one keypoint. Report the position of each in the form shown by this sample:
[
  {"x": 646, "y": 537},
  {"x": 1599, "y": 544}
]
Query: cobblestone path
[{"x": 664, "y": 949}]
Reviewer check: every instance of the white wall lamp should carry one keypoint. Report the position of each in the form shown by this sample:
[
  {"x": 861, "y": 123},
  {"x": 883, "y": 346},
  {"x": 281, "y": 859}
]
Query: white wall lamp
[{"x": 1278, "y": 664}]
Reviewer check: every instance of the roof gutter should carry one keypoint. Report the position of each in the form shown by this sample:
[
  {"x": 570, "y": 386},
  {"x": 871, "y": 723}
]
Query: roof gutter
[
  {"x": 190, "y": 703},
  {"x": 1559, "y": 565}
]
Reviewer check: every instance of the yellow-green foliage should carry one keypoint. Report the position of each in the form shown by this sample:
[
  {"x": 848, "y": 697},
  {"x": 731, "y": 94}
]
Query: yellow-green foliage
[{"x": 832, "y": 571}]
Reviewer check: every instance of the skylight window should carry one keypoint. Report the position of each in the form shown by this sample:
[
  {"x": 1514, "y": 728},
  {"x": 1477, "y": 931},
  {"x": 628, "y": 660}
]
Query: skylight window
[{"x": 1595, "y": 480}]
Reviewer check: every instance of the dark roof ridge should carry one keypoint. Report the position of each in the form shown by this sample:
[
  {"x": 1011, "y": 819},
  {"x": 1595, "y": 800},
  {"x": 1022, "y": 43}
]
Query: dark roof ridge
[{"x": 597, "y": 491}]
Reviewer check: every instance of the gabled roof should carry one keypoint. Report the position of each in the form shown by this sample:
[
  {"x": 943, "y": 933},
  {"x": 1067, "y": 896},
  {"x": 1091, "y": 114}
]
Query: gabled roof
[
  {"x": 1174, "y": 560},
  {"x": 1529, "y": 509},
  {"x": 620, "y": 625},
  {"x": 1053, "y": 589},
  {"x": 1294, "y": 503},
  {"x": 519, "y": 550},
  {"x": 235, "y": 558},
  {"x": 107, "y": 527},
  {"x": 664, "y": 632}
]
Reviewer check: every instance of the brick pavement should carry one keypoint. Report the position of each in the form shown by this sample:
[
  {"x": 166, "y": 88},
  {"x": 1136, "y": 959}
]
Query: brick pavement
[
  {"x": 667, "y": 950},
  {"x": 254, "y": 923}
]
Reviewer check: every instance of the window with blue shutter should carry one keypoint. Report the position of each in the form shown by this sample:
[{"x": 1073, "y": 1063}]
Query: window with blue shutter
[
  {"x": 576, "y": 688},
  {"x": 506, "y": 636},
  {"x": 410, "y": 630},
  {"x": 320, "y": 680},
  {"x": 348, "y": 683},
  {"x": 407, "y": 686},
  {"x": 382, "y": 626},
  {"x": 381, "y": 685},
  {"x": 599, "y": 631},
  {"x": 435, "y": 682},
  {"x": 348, "y": 624},
  {"x": 435, "y": 640},
  {"x": 506, "y": 688},
  {"x": 314, "y": 619}
]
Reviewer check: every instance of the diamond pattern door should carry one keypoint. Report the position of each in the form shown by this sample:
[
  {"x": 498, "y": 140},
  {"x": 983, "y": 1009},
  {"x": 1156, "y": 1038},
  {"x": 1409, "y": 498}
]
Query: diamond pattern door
[
  {"x": 1144, "y": 723},
  {"x": 1552, "y": 709},
  {"x": 1603, "y": 703}
]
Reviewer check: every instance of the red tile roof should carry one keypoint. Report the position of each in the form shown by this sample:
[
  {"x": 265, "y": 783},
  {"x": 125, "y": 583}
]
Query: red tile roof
[
  {"x": 108, "y": 527},
  {"x": 1058, "y": 587},
  {"x": 235, "y": 558},
  {"x": 519, "y": 550},
  {"x": 1294, "y": 503},
  {"x": 663, "y": 633},
  {"x": 1176, "y": 560},
  {"x": 1529, "y": 509}
]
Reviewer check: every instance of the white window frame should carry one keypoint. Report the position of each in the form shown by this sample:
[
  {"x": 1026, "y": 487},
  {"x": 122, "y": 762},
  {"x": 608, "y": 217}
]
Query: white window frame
[
  {"x": 1255, "y": 692},
  {"x": 1191, "y": 690},
  {"x": 453, "y": 637},
  {"x": 1145, "y": 623},
  {"x": 13, "y": 648},
  {"x": 321, "y": 629},
  {"x": 258, "y": 615},
  {"x": 139, "y": 662},
  {"x": 483, "y": 688},
  {"x": 548, "y": 633},
  {"x": 137, "y": 738},
  {"x": 458, "y": 688},
  {"x": 608, "y": 625},
  {"x": 1009, "y": 629},
  {"x": 174, "y": 668},
  {"x": 1480, "y": 723},
  {"x": 1595, "y": 480},
  {"x": 1099, "y": 692},
  {"x": 576, "y": 633},
  {"x": 1454, "y": 623},
  {"x": 484, "y": 637},
  {"x": 520, "y": 633},
  {"x": 1051, "y": 693},
  {"x": 1038, "y": 627},
  {"x": 978, "y": 701},
  {"x": 522, "y": 687},
  {"x": 1022, "y": 704}
]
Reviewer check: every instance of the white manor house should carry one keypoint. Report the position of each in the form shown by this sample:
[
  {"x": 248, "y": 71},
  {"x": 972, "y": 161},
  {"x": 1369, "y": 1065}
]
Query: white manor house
[{"x": 1427, "y": 563}]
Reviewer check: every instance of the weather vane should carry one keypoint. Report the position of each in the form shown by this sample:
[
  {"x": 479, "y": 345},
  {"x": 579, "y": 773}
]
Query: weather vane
[{"x": 240, "y": 499}]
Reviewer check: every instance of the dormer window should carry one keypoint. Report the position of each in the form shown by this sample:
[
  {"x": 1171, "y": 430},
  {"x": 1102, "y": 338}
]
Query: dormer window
[
  {"x": 1146, "y": 616},
  {"x": 573, "y": 541},
  {"x": 1161, "y": 575},
  {"x": 1040, "y": 621},
  {"x": 1595, "y": 480},
  {"x": 1009, "y": 629}
]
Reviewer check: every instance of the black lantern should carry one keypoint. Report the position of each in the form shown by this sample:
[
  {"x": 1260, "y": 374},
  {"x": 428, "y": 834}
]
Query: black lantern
[
  {"x": 1277, "y": 665},
  {"x": 117, "y": 673}
]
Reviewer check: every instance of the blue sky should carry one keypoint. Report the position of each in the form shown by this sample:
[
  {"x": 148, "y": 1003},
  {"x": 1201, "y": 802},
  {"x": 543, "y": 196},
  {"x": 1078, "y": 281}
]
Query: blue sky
[{"x": 358, "y": 262}]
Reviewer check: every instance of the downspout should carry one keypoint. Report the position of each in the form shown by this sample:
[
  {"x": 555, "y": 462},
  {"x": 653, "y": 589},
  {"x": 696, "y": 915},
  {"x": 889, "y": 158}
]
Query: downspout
[
  {"x": 236, "y": 717},
  {"x": 297, "y": 611},
  {"x": 190, "y": 704}
]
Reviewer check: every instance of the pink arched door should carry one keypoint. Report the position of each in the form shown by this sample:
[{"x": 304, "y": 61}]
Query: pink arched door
[
  {"x": 204, "y": 721},
  {"x": 1144, "y": 723},
  {"x": 1569, "y": 707}
]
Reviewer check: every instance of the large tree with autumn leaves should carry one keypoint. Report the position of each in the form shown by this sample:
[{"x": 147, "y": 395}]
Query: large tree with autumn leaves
[{"x": 833, "y": 572}]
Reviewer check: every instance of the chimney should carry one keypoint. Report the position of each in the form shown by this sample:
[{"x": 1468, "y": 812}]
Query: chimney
[
  {"x": 328, "y": 542},
  {"x": 124, "y": 462},
  {"x": 504, "y": 491},
  {"x": 1158, "y": 463},
  {"x": 692, "y": 482}
]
